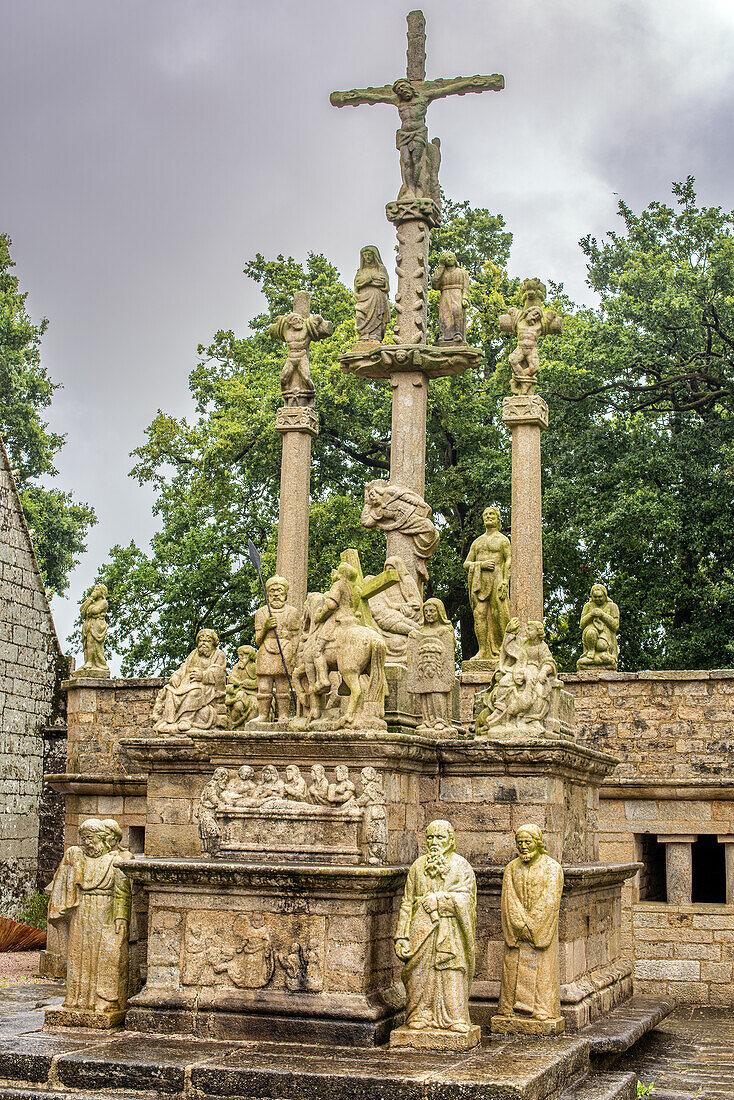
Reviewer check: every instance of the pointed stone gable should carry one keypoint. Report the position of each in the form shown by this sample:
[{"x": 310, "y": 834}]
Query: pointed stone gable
[{"x": 29, "y": 655}]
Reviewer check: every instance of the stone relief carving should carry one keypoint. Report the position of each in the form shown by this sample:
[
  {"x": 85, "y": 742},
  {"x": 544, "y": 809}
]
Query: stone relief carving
[
  {"x": 371, "y": 289},
  {"x": 194, "y": 697},
  {"x": 394, "y": 507},
  {"x": 453, "y": 283},
  {"x": 431, "y": 667},
  {"x": 599, "y": 626},
  {"x": 303, "y": 969},
  {"x": 488, "y": 564},
  {"x": 518, "y": 701},
  {"x": 92, "y": 895},
  {"x": 530, "y": 997},
  {"x": 374, "y": 820},
  {"x": 241, "y": 691},
  {"x": 94, "y": 631},
  {"x": 529, "y": 324}
]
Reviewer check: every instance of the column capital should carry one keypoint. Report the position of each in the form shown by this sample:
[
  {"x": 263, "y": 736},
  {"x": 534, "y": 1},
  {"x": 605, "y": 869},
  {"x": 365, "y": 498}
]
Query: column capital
[
  {"x": 297, "y": 418},
  {"x": 525, "y": 408}
]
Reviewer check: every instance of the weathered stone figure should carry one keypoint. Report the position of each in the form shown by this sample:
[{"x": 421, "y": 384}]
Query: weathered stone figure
[
  {"x": 240, "y": 790},
  {"x": 396, "y": 508},
  {"x": 530, "y": 998},
  {"x": 273, "y": 660},
  {"x": 94, "y": 632},
  {"x": 297, "y": 330},
  {"x": 374, "y": 822},
  {"x": 488, "y": 563},
  {"x": 431, "y": 667},
  {"x": 194, "y": 698},
  {"x": 599, "y": 626},
  {"x": 529, "y": 324},
  {"x": 241, "y": 692},
  {"x": 210, "y": 799},
  {"x": 453, "y": 283},
  {"x": 371, "y": 289},
  {"x": 397, "y": 611},
  {"x": 435, "y": 939},
  {"x": 527, "y": 674},
  {"x": 93, "y": 895}
]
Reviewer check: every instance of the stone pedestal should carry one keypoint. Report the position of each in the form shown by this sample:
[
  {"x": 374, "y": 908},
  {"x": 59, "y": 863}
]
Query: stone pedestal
[
  {"x": 526, "y": 415},
  {"x": 298, "y": 425},
  {"x": 430, "y": 1039}
]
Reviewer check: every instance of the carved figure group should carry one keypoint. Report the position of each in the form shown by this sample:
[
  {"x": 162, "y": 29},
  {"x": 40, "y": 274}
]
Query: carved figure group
[
  {"x": 94, "y": 631},
  {"x": 599, "y": 626},
  {"x": 242, "y": 953},
  {"x": 394, "y": 507},
  {"x": 431, "y": 667},
  {"x": 529, "y": 324},
  {"x": 371, "y": 289},
  {"x": 194, "y": 697},
  {"x": 243, "y": 790},
  {"x": 519, "y": 700},
  {"x": 453, "y": 283},
  {"x": 302, "y": 966},
  {"x": 488, "y": 564},
  {"x": 93, "y": 896}
]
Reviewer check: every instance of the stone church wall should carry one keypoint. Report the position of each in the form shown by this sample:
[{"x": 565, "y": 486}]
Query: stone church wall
[{"x": 30, "y": 659}]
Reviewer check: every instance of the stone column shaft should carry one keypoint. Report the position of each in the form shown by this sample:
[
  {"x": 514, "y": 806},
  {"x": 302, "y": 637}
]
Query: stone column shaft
[
  {"x": 527, "y": 416},
  {"x": 678, "y": 868},
  {"x": 297, "y": 425},
  {"x": 728, "y": 842}
]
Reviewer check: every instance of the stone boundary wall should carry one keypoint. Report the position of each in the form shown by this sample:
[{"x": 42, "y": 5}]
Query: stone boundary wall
[
  {"x": 684, "y": 952},
  {"x": 30, "y": 659}
]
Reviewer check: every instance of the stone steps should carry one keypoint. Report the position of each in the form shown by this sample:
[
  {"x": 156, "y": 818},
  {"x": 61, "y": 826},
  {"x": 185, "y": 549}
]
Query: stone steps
[{"x": 607, "y": 1085}]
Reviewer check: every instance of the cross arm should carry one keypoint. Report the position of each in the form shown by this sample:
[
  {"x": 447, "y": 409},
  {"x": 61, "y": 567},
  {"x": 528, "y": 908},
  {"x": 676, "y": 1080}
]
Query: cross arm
[
  {"x": 359, "y": 96},
  {"x": 460, "y": 85}
]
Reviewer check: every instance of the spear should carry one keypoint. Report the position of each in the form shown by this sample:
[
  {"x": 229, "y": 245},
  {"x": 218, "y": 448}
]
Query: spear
[{"x": 257, "y": 562}]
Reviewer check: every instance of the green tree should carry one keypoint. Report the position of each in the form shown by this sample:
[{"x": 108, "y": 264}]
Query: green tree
[{"x": 59, "y": 525}]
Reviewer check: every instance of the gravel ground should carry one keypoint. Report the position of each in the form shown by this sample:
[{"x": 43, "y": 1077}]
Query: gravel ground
[{"x": 19, "y": 966}]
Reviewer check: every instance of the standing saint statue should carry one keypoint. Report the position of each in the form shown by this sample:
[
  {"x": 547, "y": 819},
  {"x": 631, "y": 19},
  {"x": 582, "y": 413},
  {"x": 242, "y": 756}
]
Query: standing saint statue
[
  {"x": 453, "y": 283},
  {"x": 91, "y": 894},
  {"x": 530, "y": 993},
  {"x": 94, "y": 632},
  {"x": 276, "y": 632},
  {"x": 599, "y": 626},
  {"x": 488, "y": 564},
  {"x": 371, "y": 289},
  {"x": 297, "y": 330},
  {"x": 431, "y": 668},
  {"x": 194, "y": 697},
  {"x": 529, "y": 324},
  {"x": 435, "y": 940},
  {"x": 396, "y": 508}
]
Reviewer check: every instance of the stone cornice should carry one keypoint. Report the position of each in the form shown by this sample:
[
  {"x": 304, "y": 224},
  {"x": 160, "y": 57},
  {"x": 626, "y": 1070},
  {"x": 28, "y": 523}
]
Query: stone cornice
[
  {"x": 87, "y": 783},
  {"x": 558, "y": 758},
  {"x": 672, "y": 788},
  {"x": 576, "y": 876},
  {"x": 163, "y": 873},
  {"x": 114, "y": 683}
]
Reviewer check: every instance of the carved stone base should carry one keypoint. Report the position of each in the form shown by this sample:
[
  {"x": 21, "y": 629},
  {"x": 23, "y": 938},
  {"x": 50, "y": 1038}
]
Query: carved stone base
[
  {"x": 85, "y": 673},
  {"x": 526, "y": 1025},
  {"x": 77, "y": 1017},
  {"x": 433, "y": 1039}
]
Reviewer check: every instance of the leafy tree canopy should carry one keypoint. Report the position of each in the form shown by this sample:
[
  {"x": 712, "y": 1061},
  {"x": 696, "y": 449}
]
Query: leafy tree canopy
[
  {"x": 59, "y": 525},
  {"x": 637, "y": 474}
]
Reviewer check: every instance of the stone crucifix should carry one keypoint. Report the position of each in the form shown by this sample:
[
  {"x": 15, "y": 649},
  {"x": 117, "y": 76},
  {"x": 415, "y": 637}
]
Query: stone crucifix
[
  {"x": 298, "y": 422},
  {"x": 411, "y": 362}
]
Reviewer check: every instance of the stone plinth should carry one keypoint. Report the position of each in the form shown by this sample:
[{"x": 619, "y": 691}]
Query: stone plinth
[
  {"x": 595, "y": 973},
  {"x": 254, "y": 951},
  {"x": 526, "y": 415},
  {"x": 429, "y": 1039},
  {"x": 100, "y": 712}
]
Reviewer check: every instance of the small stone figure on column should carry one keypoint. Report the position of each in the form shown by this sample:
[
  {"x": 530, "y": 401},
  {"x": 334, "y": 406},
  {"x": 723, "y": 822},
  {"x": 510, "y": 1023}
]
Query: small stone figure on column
[
  {"x": 371, "y": 289},
  {"x": 93, "y": 895},
  {"x": 435, "y": 939},
  {"x": 94, "y": 632},
  {"x": 488, "y": 563},
  {"x": 530, "y": 992},
  {"x": 529, "y": 323},
  {"x": 431, "y": 669},
  {"x": 297, "y": 330},
  {"x": 278, "y": 623},
  {"x": 599, "y": 626},
  {"x": 453, "y": 283}
]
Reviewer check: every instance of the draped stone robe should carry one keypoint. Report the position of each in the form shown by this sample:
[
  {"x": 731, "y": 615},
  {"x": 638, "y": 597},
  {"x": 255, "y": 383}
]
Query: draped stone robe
[
  {"x": 440, "y": 968},
  {"x": 531, "y": 899}
]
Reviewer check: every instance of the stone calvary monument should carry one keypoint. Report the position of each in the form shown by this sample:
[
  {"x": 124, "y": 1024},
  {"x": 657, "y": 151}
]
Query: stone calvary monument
[{"x": 276, "y": 817}]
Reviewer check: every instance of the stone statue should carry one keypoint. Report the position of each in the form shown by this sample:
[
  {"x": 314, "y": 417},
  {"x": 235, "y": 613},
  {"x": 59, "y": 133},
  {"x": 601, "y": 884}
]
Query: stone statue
[
  {"x": 431, "y": 668},
  {"x": 396, "y": 508},
  {"x": 92, "y": 894},
  {"x": 435, "y": 940},
  {"x": 529, "y": 324},
  {"x": 319, "y": 788},
  {"x": 194, "y": 697},
  {"x": 374, "y": 822},
  {"x": 453, "y": 283},
  {"x": 530, "y": 996},
  {"x": 209, "y": 800},
  {"x": 240, "y": 790},
  {"x": 114, "y": 839},
  {"x": 297, "y": 330},
  {"x": 241, "y": 692},
  {"x": 342, "y": 791},
  {"x": 273, "y": 660},
  {"x": 599, "y": 626},
  {"x": 315, "y": 684},
  {"x": 295, "y": 786},
  {"x": 397, "y": 611},
  {"x": 488, "y": 563},
  {"x": 94, "y": 632},
  {"x": 520, "y": 699},
  {"x": 371, "y": 289}
]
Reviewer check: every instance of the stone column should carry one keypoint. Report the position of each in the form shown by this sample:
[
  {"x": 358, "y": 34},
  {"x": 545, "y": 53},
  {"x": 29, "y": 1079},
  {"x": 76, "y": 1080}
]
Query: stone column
[
  {"x": 526, "y": 415},
  {"x": 728, "y": 841},
  {"x": 678, "y": 868},
  {"x": 298, "y": 425}
]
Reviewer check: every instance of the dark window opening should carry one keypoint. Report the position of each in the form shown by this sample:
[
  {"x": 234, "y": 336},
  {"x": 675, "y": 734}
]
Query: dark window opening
[
  {"x": 136, "y": 839},
  {"x": 709, "y": 871},
  {"x": 651, "y": 854}
]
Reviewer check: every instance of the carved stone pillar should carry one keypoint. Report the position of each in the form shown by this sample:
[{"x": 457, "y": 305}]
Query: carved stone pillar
[
  {"x": 678, "y": 868},
  {"x": 298, "y": 425},
  {"x": 526, "y": 415}
]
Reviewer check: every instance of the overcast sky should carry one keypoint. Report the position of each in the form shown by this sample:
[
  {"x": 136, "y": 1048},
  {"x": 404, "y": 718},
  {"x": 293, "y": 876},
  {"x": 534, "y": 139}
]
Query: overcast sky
[{"x": 149, "y": 147}]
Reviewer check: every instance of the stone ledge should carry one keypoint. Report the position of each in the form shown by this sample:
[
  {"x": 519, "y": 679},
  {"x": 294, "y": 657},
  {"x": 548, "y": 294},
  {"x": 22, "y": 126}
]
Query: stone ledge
[
  {"x": 592, "y": 675},
  {"x": 114, "y": 683},
  {"x": 166, "y": 872},
  {"x": 576, "y": 876},
  {"x": 541, "y": 757},
  {"x": 666, "y": 788},
  {"x": 626, "y": 1025},
  {"x": 126, "y": 786}
]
